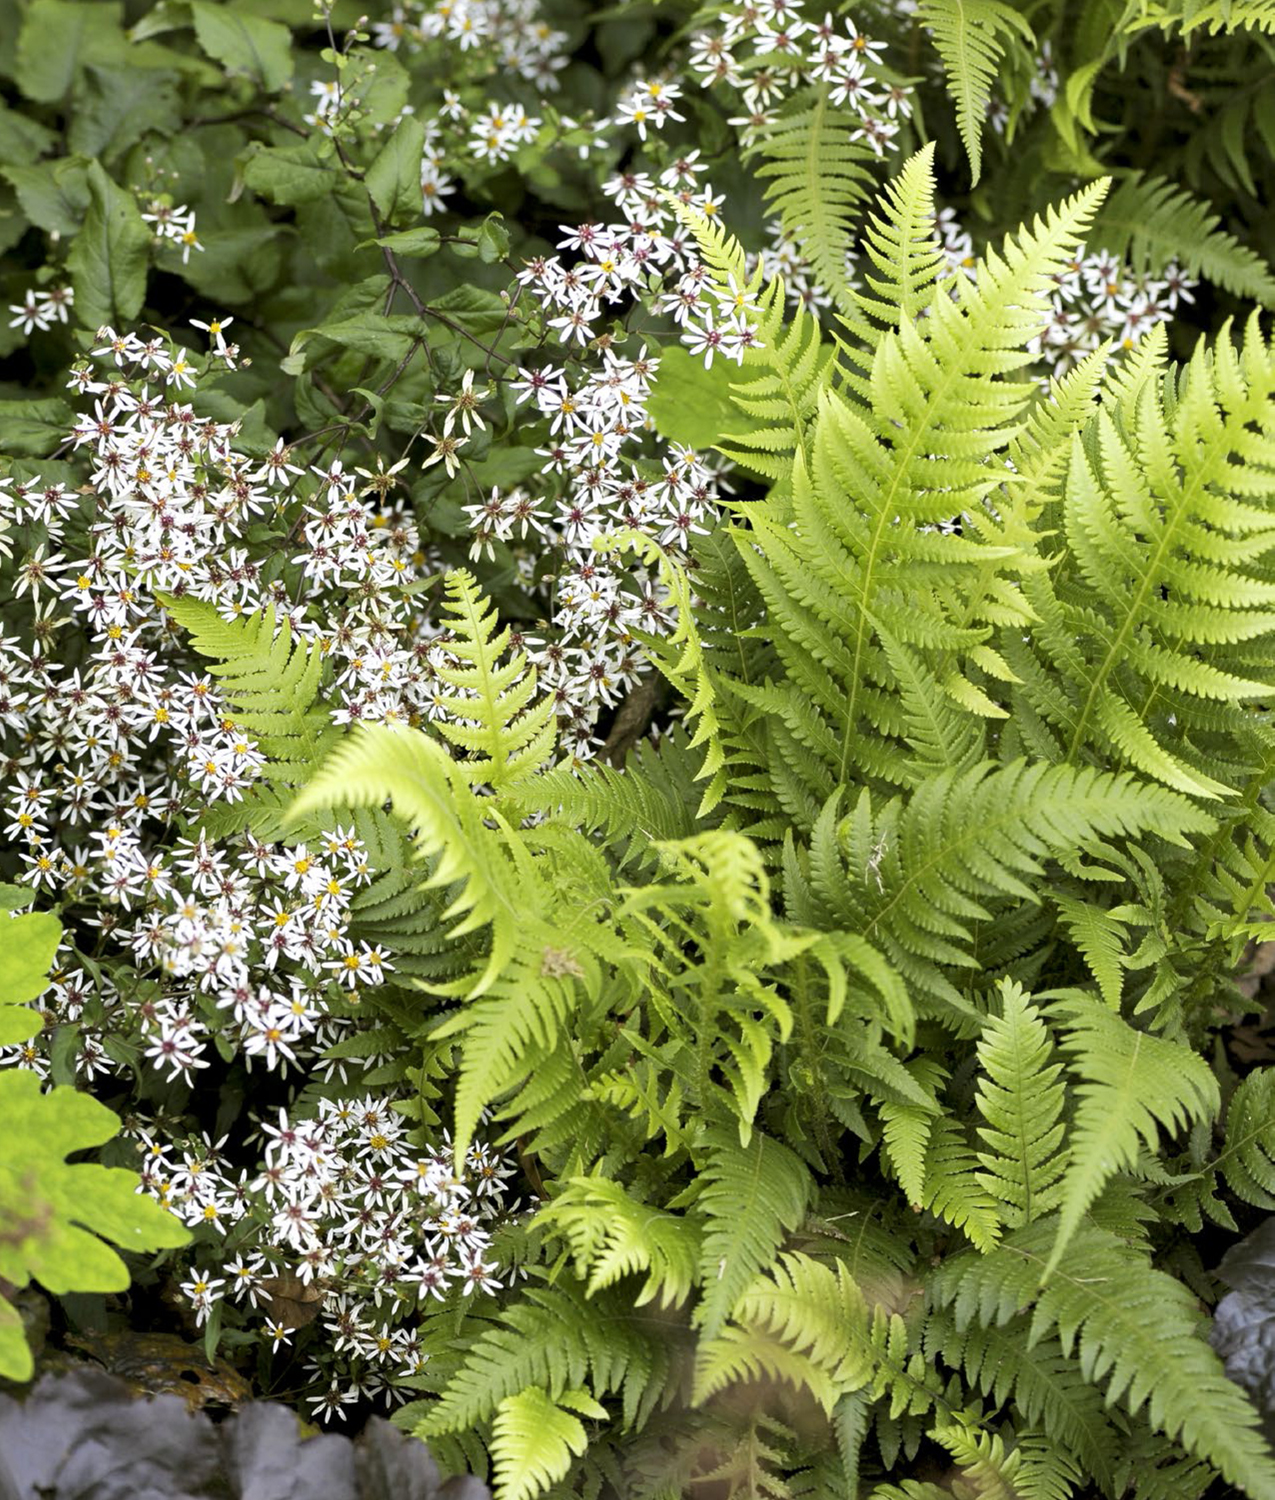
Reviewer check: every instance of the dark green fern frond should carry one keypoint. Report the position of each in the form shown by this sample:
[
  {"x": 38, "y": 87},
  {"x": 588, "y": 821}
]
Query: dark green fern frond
[
  {"x": 919, "y": 873},
  {"x": 1148, "y": 636},
  {"x": 1152, "y": 222},
  {"x": 1046, "y": 1389},
  {"x": 1125, "y": 1324},
  {"x": 752, "y": 1196},
  {"x": 651, "y": 799}
]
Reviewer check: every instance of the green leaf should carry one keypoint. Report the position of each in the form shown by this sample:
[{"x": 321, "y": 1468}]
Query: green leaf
[
  {"x": 289, "y": 175},
  {"x": 108, "y": 119},
  {"x": 22, "y": 139},
  {"x": 33, "y": 428},
  {"x": 690, "y": 404},
  {"x": 57, "y": 36},
  {"x": 245, "y": 44},
  {"x": 389, "y": 338},
  {"x": 27, "y": 947},
  {"x": 109, "y": 257},
  {"x": 53, "y": 1211},
  {"x": 54, "y": 194},
  {"x": 422, "y": 241},
  {"x": 394, "y": 178}
]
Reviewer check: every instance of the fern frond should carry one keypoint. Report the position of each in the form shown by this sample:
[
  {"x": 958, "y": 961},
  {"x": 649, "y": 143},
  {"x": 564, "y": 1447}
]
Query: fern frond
[
  {"x": 1213, "y": 16},
  {"x": 902, "y": 253},
  {"x": 1021, "y": 1097},
  {"x": 270, "y": 685},
  {"x": 1045, "y": 1388},
  {"x": 555, "y": 1339},
  {"x": 650, "y": 800},
  {"x": 1127, "y": 1325},
  {"x": 612, "y": 1235},
  {"x": 868, "y": 542},
  {"x": 1152, "y": 222},
  {"x": 532, "y": 1444},
  {"x": 493, "y": 716},
  {"x": 969, "y": 37},
  {"x": 1133, "y": 1084},
  {"x": 919, "y": 873},
  {"x": 815, "y": 176},
  {"x": 787, "y": 366},
  {"x": 751, "y": 1197},
  {"x": 802, "y": 1322},
  {"x": 1143, "y": 636}
]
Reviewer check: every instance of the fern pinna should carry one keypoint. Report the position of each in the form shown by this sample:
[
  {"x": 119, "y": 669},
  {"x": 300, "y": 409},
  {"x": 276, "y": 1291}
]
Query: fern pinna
[{"x": 857, "y": 1038}]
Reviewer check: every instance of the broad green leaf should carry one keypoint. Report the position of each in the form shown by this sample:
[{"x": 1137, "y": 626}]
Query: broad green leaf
[
  {"x": 22, "y": 139},
  {"x": 394, "y": 178},
  {"x": 289, "y": 175},
  {"x": 27, "y": 946},
  {"x": 422, "y": 241},
  {"x": 109, "y": 257},
  {"x": 389, "y": 338},
  {"x": 33, "y": 428},
  {"x": 245, "y": 44},
  {"x": 58, "y": 36},
  {"x": 690, "y": 404},
  {"x": 108, "y": 119},
  {"x": 54, "y": 194}
]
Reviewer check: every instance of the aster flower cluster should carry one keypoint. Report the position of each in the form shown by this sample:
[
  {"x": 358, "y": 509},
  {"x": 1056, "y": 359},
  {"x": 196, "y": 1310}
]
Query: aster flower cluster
[
  {"x": 343, "y": 1224},
  {"x": 764, "y": 50},
  {"x": 113, "y": 736},
  {"x": 597, "y": 446},
  {"x": 512, "y": 35},
  {"x": 1100, "y": 299},
  {"x": 174, "y": 222},
  {"x": 247, "y": 943}
]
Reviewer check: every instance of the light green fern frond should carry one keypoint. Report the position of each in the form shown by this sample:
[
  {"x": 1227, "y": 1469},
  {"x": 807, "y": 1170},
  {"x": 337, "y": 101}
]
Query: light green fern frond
[
  {"x": 815, "y": 176},
  {"x": 270, "y": 684},
  {"x": 492, "y": 712},
  {"x": 1133, "y": 1085},
  {"x": 1022, "y": 1098},
  {"x": 802, "y": 1322},
  {"x": 431, "y": 793},
  {"x": 787, "y": 365},
  {"x": 902, "y": 255},
  {"x": 612, "y": 1235},
  {"x": 898, "y": 522},
  {"x": 534, "y": 1441},
  {"x": 970, "y": 37},
  {"x": 1213, "y": 16}
]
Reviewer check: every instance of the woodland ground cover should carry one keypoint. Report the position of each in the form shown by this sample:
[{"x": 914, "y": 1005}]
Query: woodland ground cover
[{"x": 635, "y": 695}]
